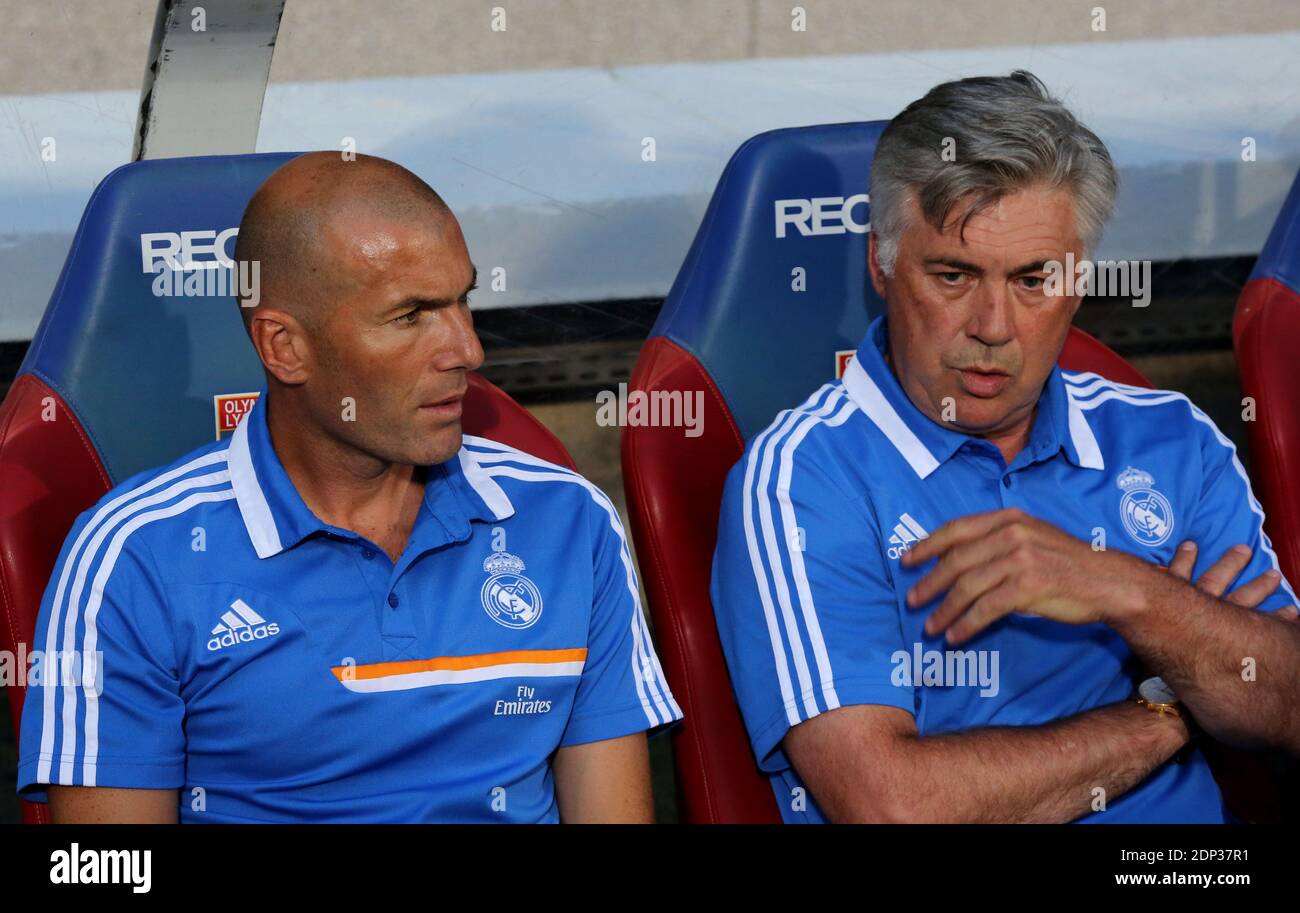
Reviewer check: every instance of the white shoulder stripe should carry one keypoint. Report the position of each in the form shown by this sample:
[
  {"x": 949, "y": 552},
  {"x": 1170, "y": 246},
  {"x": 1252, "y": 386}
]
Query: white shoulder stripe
[
  {"x": 69, "y": 729},
  {"x": 1111, "y": 394},
  {"x": 1123, "y": 393},
  {"x": 52, "y": 627},
  {"x": 774, "y": 551},
  {"x": 758, "y": 452},
  {"x": 1085, "y": 442},
  {"x": 486, "y": 450},
  {"x": 1084, "y": 385},
  {"x": 647, "y": 674},
  {"x": 812, "y": 624},
  {"x": 88, "y": 774},
  {"x": 483, "y": 485},
  {"x": 95, "y": 530}
]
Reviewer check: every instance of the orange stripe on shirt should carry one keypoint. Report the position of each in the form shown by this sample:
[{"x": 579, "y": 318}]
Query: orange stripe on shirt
[{"x": 459, "y": 663}]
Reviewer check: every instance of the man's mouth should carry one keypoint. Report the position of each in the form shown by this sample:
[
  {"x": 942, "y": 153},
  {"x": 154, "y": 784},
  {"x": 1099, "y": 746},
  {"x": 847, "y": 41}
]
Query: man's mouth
[
  {"x": 447, "y": 408},
  {"x": 983, "y": 383}
]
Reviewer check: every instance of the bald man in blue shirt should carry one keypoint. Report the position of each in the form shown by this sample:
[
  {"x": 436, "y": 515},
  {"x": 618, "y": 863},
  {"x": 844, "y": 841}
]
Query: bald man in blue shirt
[
  {"x": 940, "y": 584},
  {"x": 348, "y": 610}
]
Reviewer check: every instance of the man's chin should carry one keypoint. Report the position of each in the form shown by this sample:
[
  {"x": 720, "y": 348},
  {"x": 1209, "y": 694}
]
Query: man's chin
[
  {"x": 975, "y": 416},
  {"x": 442, "y": 445}
]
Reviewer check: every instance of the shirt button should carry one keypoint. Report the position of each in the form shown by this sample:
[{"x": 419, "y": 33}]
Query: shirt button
[
  {"x": 367, "y": 553},
  {"x": 1006, "y": 481},
  {"x": 392, "y": 600}
]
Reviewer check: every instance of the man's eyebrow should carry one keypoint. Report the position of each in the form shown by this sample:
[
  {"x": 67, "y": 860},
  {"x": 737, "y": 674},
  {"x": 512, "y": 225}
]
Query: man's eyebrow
[
  {"x": 416, "y": 301},
  {"x": 955, "y": 264},
  {"x": 1037, "y": 266}
]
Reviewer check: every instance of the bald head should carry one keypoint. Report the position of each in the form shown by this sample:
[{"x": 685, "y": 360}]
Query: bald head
[
  {"x": 304, "y": 222},
  {"x": 363, "y": 323}
]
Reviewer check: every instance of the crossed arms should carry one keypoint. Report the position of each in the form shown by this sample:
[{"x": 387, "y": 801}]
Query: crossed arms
[{"x": 868, "y": 763}]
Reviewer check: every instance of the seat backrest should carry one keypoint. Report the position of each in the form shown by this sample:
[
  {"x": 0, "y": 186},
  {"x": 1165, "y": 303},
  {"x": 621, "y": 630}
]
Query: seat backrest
[
  {"x": 1266, "y": 340},
  {"x": 119, "y": 379},
  {"x": 774, "y": 286}
]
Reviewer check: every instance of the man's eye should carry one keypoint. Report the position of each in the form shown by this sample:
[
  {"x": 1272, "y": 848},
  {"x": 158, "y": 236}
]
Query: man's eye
[
  {"x": 950, "y": 278},
  {"x": 1032, "y": 283},
  {"x": 410, "y": 317}
]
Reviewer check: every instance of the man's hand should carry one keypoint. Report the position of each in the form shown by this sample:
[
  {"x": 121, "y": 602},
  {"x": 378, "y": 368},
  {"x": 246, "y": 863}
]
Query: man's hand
[
  {"x": 993, "y": 564},
  {"x": 1217, "y": 577}
]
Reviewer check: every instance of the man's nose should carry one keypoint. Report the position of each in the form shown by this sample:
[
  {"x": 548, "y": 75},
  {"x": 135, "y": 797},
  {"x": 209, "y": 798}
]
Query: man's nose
[
  {"x": 463, "y": 349},
  {"x": 990, "y": 320}
]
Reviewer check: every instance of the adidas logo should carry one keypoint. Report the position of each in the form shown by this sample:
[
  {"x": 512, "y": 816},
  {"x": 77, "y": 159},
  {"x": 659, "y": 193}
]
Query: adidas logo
[
  {"x": 241, "y": 625},
  {"x": 907, "y": 532}
]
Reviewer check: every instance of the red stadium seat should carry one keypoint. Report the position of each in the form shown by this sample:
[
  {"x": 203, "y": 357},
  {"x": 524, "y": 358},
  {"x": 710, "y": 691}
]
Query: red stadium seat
[
  {"x": 118, "y": 380},
  {"x": 1266, "y": 342},
  {"x": 1266, "y": 339}
]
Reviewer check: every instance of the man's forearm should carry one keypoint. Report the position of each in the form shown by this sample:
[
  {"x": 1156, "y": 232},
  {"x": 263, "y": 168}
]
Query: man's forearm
[
  {"x": 1045, "y": 774},
  {"x": 1236, "y": 669}
]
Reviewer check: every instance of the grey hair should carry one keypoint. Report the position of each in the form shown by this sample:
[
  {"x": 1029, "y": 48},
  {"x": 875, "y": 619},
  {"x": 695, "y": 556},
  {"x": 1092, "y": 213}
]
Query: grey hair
[{"x": 1009, "y": 134}]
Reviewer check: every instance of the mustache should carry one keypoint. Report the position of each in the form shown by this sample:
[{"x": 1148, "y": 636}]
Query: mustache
[{"x": 986, "y": 366}]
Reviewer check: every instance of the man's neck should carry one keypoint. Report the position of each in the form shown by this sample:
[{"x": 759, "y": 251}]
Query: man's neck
[
  {"x": 1012, "y": 442},
  {"x": 1009, "y": 442},
  {"x": 345, "y": 488}
]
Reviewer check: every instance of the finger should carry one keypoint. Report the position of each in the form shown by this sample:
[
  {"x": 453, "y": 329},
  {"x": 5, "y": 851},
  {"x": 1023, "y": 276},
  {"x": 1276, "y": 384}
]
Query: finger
[
  {"x": 963, "y": 529},
  {"x": 997, "y": 603},
  {"x": 1287, "y": 613},
  {"x": 960, "y": 559},
  {"x": 965, "y": 592},
  {"x": 1252, "y": 594},
  {"x": 1184, "y": 560},
  {"x": 1216, "y": 578}
]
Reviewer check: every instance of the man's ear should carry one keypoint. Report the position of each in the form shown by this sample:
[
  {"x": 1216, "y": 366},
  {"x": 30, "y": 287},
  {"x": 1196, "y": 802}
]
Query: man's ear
[
  {"x": 873, "y": 266},
  {"x": 282, "y": 344}
]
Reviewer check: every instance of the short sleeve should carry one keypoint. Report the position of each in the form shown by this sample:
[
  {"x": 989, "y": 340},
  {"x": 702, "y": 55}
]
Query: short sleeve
[
  {"x": 806, "y": 611},
  {"x": 1228, "y": 514},
  {"x": 622, "y": 689},
  {"x": 103, "y": 705}
]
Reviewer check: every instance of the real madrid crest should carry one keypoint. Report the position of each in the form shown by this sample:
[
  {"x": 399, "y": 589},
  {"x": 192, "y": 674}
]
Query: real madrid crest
[
  {"x": 1147, "y": 514},
  {"x": 510, "y": 598}
]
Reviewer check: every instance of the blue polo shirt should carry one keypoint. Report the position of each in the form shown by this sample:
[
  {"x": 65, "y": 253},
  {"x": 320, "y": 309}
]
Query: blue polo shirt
[
  {"x": 810, "y": 597},
  {"x": 275, "y": 668}
]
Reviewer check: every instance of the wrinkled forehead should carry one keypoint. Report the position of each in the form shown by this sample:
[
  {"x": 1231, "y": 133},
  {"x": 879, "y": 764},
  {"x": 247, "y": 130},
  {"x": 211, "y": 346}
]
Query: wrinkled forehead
[{"x": 1032, "y": 218}]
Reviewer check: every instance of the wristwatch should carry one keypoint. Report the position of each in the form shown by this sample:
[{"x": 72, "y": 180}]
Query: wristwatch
[{"x": 1154, "y": 694}]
